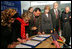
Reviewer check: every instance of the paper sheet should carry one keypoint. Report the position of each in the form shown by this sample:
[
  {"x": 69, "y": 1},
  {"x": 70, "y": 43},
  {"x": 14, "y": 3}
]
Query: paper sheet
[
  {"x": 43, "y": 35},
  {"x": 22, "y": 46},
  {"x": 33, "y": 43},
  {"x": 38, "y": 38}
]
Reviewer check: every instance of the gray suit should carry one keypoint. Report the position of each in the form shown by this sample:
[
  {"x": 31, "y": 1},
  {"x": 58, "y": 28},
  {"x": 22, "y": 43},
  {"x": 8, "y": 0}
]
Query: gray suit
[{"x": 46, "y": 23}]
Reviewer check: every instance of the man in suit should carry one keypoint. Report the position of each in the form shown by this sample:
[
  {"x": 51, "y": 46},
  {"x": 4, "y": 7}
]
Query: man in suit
[
  {"x": 35, "y": 22},
  {"x": 55, "y": 14},
  {"x": 70, "y": 18},
  {"x": 46, "y": 20},
  {"x": 66, "y": 24}
]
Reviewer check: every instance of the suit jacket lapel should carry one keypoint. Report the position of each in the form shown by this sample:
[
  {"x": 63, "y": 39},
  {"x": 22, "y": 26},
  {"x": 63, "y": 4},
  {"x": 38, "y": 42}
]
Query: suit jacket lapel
[
  {"x": 46, "y": 18},
  {"x": 53, "y": 12}
]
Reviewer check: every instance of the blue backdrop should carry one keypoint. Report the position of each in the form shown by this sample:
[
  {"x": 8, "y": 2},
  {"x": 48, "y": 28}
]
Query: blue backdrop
[{"x": 11, "y": 4}]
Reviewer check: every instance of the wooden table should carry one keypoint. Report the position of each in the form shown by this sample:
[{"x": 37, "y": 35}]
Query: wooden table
[{"x": 47, "y": 43}]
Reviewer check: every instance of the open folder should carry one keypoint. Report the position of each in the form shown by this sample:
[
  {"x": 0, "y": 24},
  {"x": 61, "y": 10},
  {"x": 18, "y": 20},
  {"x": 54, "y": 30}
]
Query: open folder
[
  {"x": 22, "y": 46},
  {"x": 32, "y": 43},
  {"x": 38, "y": 38},
  {"x": 46, "y": 36}
]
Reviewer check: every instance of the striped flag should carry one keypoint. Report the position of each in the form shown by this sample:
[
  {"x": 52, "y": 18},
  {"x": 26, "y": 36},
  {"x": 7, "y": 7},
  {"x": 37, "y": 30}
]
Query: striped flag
[{"x": 55, "y": 41}]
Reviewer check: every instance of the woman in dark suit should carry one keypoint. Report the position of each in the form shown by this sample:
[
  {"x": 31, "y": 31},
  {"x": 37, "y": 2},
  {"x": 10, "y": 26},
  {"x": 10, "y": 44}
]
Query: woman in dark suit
[{"x": 46, "y": 20}]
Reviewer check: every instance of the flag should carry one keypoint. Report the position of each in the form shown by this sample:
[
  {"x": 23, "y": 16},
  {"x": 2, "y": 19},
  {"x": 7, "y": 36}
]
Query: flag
[{"x": 55, "y": 41}]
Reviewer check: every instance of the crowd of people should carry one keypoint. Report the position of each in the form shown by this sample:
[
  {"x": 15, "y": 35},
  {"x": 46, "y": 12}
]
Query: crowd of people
[{"x": 17, "y": 29}]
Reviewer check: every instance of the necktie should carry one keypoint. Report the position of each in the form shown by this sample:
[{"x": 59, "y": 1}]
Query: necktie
[{"x": 56, "y": 14}]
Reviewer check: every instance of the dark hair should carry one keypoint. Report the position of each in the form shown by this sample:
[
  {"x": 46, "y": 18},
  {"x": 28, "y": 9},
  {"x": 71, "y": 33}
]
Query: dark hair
[
  {"x": 30, "y": 8},
  {"x": 37, "y": 9}
]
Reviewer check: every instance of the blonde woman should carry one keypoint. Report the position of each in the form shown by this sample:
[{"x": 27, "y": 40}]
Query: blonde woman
[{"x": 18, "y": 27}]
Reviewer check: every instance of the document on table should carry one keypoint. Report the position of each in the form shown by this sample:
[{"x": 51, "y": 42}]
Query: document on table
[
  {"x": 44, "y": 35},
  {"x": 38, "y": 38},
  {"x": 31, "y": 42},
  {"x": 22, "y": 46}
]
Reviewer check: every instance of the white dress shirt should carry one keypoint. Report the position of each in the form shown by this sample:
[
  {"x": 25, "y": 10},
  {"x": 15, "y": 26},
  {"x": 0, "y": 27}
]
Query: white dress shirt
[
  {"x": 55, "y": 11},
  {"x": 46, "y": 15}
]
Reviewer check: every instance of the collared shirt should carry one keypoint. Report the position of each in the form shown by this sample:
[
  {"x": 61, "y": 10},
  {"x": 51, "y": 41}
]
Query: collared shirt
[
  {"x": 46, "y": 15},
  {"x": 55, "y": 11}
]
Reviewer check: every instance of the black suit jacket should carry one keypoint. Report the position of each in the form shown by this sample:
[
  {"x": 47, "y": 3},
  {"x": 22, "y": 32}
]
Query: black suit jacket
[
  {"x": 54, "y": 20},
  {"x": 66, "y": 24},
  {"x": 65, "y": 15}
]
